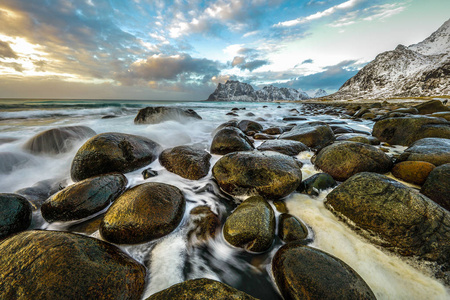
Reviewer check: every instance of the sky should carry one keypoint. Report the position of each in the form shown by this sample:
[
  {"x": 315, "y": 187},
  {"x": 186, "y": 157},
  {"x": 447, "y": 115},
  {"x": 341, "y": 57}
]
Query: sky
[{"x": 181, "y": 50}]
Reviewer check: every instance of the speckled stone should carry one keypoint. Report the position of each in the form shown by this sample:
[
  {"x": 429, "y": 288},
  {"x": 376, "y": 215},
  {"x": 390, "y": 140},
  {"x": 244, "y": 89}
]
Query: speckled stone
[
  {"x": 15, "y": 214},
  {"x": 188, "y": 162},
  {"x": 291, "y": 229},
  {"x": 413, "y": 171}
]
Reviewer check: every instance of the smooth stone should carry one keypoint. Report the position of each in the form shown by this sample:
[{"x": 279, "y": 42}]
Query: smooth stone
[
  {"x": 357, "y": 137},
  {"x": 268, "y": 174},
  {"x": 412, "y": 171},
  {"x": 262, "y": 136},
  {"x": 338, "y": 129},
  {"x": 62, "y": 265},
  {"x": 406, "y": 110},
  {"x": 294, "y": 119},
  {"x": 273, "y": 130},
  {"x": 431, "y": 106},
  {"x": 344, "y": 159},
  {"x": 57, "y": 140},
  {"x": 113, "y": 152},
  {"x": 437, "y": 186},
  {"x": 10, "y": 161},
  {"x": 287, "y": 147},
  {"x": 231, "y": 123},
  {"x": 83, "y": 198},
  {"x": 158, "y": 114},
  {"x": 188, "y": 162},
  {"x": 41, "y": 191},
  {"x": 312, "y": 135},
  {"x": 15, "y": 214},
  {"x": 315, "y": 184},
  {"x": 230, "y": 139},
  {"x": 198, "y": 289},
  {"x": 149, "y": 173},
  {"x": 291, "y": 229},
  {"x": 248, "y": 125},
  {"x": 203, "y": 225},
  {"x": 143, "y": 213},
  {"x": 254, "y": 236},
  {"x": 302, "y": 272},
  {"x": 433, "y": 150}
]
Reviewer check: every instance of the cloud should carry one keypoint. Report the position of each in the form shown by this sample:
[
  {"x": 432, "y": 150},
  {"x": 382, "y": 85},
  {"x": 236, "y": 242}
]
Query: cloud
[
  {"x": 307, "y": 61},
  {"x": 238, "y": 60},
  {"x": 6, "y": 51},
  {"x": 252, "y": 65}
]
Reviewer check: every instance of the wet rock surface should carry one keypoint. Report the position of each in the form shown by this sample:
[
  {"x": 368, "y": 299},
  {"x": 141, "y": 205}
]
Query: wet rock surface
[
  {"x": 287, "y": 147},
  {"x": 437, "y": 186},
  {"x": 230, "y": 139},
  {"x": 61, "y": 265},
  {"x": 312, "y": 135},
  {"x": 247, "y": 126},
  {"x": 203, "y": 224},
  {"x": 413, "y": 171},
  {"x": 315, "y": 184},
  {"x": 158, "y": 114},
  {"x": 11, "y": 161},
  {"x": 41, "y": 191},
  {"x": 291, "y": 229},
  {"x": 188, "y": 162},
  {"x": 15, "y": 214},
  {"x": 431, "y": 106},
  {"x": 432, "y": 150}
]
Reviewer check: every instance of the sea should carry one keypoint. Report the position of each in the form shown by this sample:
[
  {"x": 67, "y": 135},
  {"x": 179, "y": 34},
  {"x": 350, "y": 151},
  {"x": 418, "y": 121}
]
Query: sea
[{"x": 173, "y": 258}]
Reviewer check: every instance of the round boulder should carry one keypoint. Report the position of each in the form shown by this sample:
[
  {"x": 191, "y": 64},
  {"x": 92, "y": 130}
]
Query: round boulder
[
  {"x": 143, "y": 213},
  {"x": 287, "y": 147},
  {"x": 291, "y": 229},
  {"x": 269, "y": 174},
  {"x": 15, "y": 214},
  {"x": 113, "y": 152},
  {"x": 230, "y": 139},
  {"x": 431, "y": 106},
  {"x": 247, "y": 126},
  {"x": 62, "y": 265},
  {"x": 188, "y": 162},
  {"x": 158, "y": 114},
  {"x": 302, "y": 272},
  {"x": 433, "y": 150},
  {"x": 312, "y": 135},
  {"x": 83, "y": 198},
  {"x": 344, "y": 159},
  {"x": 437, "y": 186},
  {"x": 254, "y": 236},
  {"x": 316, "y": 183},
  {"x": 413, "y": 171}
]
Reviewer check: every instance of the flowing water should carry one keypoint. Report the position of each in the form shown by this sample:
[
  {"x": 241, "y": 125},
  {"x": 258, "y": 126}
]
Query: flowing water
[{"x": 175, "y": 258}]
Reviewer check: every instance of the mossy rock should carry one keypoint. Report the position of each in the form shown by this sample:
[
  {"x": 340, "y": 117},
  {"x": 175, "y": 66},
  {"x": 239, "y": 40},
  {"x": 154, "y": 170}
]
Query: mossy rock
[
  {"x": 230, "y": 139},
  {"x": 287, "y": 147},
  {"x": 312, "y": 135},
  {"x": 316, "y": 183},
  {"x": 15, "y": 214},
  {"x": 431, "y": 106},
  {"x": 188, "y": 162},
  {"x": 433, "y": 150},
  {"x": 291, "y": 229},
  {"x": 437, "y": 186},
  {"x": 247, "y": 126},
  {"x": 413, "y": 171}
]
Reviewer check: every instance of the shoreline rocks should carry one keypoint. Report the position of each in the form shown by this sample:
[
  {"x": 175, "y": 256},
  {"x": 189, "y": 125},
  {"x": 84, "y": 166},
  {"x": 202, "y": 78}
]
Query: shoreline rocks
[
  {"x": 158, "y": 114},
  {"x": 15, "y": 214},
  {"x": 188, "y": 162}
]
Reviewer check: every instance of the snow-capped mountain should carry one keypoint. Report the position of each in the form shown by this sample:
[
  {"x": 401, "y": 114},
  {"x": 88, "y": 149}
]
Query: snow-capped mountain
[
  {"x": 233, "y": 90},
  {"x": 421, "y": 69},
  {"x": 320, "y": 93}
]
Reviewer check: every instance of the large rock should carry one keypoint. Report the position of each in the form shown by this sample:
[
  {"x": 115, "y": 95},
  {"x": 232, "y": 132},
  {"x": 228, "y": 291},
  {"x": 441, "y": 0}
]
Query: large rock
[
  {"x": 394, "y": 216},
  {"x": 143, "y": 213},
  {"x": 15, "y": 214},
  {"x": 269, "y": 174},
  {"x": 57, "y": 140},
  {"x": 230, "y": 139},
  {"x": 113, "y": 152},
  {"x": 291, "y": 229},
  {"x": 406, "y": 130},
  {"x": 254, "y": 236},
  {"x": 312, "y": 135},
  {"x": 413, "y": 171},
  {"x": 61, "y": 265},
  {"x": 158, "y": 114},
  {"x": 431, "y": 106},
  {"x": 288, "y": 147},
  {"x": 42, "y": 190},
  {"x": 248, "y": 126},
  {"x": 344, "y": 159},
  {"x": 315, "y": 184},
  {"x": 83, "y": 198},
  {"x": 432, "y": 150},
  {"x": 199, "y": 289},
  {"x": 302, "y": 272},
  {"x": 188, "y": 162},
  {"x": 437, "y": 186}
]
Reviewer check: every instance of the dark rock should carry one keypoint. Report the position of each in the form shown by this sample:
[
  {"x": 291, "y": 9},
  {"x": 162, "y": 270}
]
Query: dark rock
[
  {"x": 57, "y": 140},
  {"x": 316, "y": 183},
  {"x": 247, "y": 126},
  {"x": 158, "y": 114},
  {"x": 432, "y": 150},
  {"x": 406, "y": 130},
  {"x": 148, "y": 173},
  {"x": 62, "y": 265},
  {"x": 437, "y": 186},
  {"x": 143, "y": 213},
  {"x": 268, "y": 174},
  {"x": 262, "y": 136},
  {"x": 231, "y": 123},
  {"x": 302, "y": 272},
  {"x": 361, "y": 112},
  {"x": 357, "y": 137},
  {"x": 41, "y": 191},
  {"x": 188, "y": 162},
  {"x": 312, "y": 136},
  {"x": 201, "y": 288},
  {"x": 346, "y": 129},
  {"x": 113, "y": 152},
  {"x": 254, "y": 236},
  {"x": 109, "y": 116},
  {"x": 368, "y": 116},
  {"x": 273, "y": 130},
  {"x": 431, "y": 106},
  {"x": 405, "y": 110},
  {"x": 294, "y": 119},
  {"x": 288, "y": 147},
  {"x": 83, "y": 198},
  {"x": 87, "y": 227},
  {"x": 15, "y": 215},
  {"x": 280, "y": 205},
  {"x": 203, "y": 224},
  {"x": 232, "y": 114},
  {"x": 413, "y": 171},
  {"x": 344, "y": 159},
  {"x": 394, "y": 216},
  {"x": 230, "y": 139},
  {"x": 443, "y": 115},
  {"x": 250, "y": 114},
  {"x": 11, "y": 161},
  {"x": 291, "y": 229}
]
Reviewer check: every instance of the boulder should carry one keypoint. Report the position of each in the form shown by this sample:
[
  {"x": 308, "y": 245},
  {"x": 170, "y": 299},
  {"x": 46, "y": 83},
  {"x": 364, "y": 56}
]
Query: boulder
[
  {"x": 230, "y": 139},
  {"x": 413, "y": 171},
  {"x": 287, "y": 147},
  {"x": 15, "y": 214},
  {"x": 57, "y": 140},
  {"x": 83, "y": 198},
  {"x": 158, "y": 114},
  {"x": 254, "y": 236},
  {"x": 62, "y": 265},
  {"x": 443, "y": 115},
  {"x": 316, "y": 183},
  {"x": 291, "y": 229},
  {"x": 302, "y": 272},
  {"x": 432, "y": 150},
  {"x": 41, "y": 191},
  {"x": 143, "y": 213},
  {"x": 406, "y": 130},
  {"x": 263, "y": 136},
  {"x": 312, "y": 135},
  {"x": 431, "y": 106},
  {"x": 394, "y": 216},
  {"x": 437, "y": 186},
  {"x": 357, "y": 137},
  {"x": 344, "y": 159},
  {"x": 269, "y": 174},
  {"x": 113, "y": 152},
  {"x": 188, "y": 162},
  {"x": 247, "y": 126},
  {"x": 198, "y": 289},
  {"x": 273, "y": 130}
]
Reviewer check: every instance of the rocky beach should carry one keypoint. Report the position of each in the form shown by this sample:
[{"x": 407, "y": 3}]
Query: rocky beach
[{"x": 225, "y": 200}]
